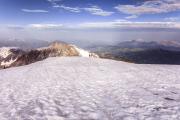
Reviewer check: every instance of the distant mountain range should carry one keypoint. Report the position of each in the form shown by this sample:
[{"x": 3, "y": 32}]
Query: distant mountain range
[
  {"x": 142, "y": 52},
  {"x": 23, "y": 44},
  {"x": 18, "y": 52},
  {"x": 11, "y": 56}
]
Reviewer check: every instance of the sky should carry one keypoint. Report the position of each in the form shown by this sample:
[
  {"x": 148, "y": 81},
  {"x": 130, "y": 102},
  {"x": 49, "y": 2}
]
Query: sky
[{"x": 90, "y": 20}]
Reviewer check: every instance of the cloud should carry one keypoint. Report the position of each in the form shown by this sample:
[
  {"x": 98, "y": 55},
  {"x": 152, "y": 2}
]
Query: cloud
[
  {"x": 172, "y": 19},
  {"x": 34, "y": 11},
  {"x": 117, "y": 24},
  {"x": 95, "y": 32},
  {"x": 131, "y": 25},
  {"x": 45, "y": 26},
  {"x": 54, "y": 0},
  {"x": 150, "y": 7},
  {"x": 68, "y": 8},
  {"x": 95, "y": 10},
  {"x": 71, "y": 9},
  {"x": 131, "y": 17},
  {"x": 121, "y": 20},
  {"x": 15, "y": 27}
]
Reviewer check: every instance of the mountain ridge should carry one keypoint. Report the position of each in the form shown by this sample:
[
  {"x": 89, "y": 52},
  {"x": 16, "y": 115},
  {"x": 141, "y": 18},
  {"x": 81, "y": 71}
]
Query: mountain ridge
[
  {"x": 55, "y": 49},
  {"x": 141, "y": 52}
]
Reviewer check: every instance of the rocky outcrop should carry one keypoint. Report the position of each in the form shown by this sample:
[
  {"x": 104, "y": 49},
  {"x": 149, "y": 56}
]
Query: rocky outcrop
[
  {"x": 9, "y": 55},
  {"x": 56, "y": 49}
]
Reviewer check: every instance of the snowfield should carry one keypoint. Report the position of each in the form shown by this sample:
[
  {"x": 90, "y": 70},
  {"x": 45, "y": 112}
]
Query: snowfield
[{"x": 77, "y": 88}]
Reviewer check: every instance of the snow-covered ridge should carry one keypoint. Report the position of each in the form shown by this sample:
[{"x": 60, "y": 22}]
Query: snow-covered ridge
[
  {"x": 81, "y": 52},
  {"x": 76, "y": 88},
  {"x": 85, "y": 53},
  {"x": 9, "y": 55},
  {"x": 8, "y": 63},
  {"x": 5, "y": 51},
  {"x": 55, "y": 49}
]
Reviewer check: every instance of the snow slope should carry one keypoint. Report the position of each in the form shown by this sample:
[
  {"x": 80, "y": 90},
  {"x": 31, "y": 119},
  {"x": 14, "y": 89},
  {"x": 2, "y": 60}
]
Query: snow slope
[
  {"x": 82, "y": 53},
  {"x": 77, "y": 88}
]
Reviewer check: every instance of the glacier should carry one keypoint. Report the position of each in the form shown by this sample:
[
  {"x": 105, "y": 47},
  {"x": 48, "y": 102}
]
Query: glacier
[{"x": 79, "y": 88}]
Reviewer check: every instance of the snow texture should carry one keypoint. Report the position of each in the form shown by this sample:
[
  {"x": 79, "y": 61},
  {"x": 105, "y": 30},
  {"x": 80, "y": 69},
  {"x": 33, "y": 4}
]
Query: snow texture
[
  {"x": 5, "y": 51},
  {"x": 77, "y": 88},
  {"x": 82, "y": 53},
  {"x": 8, "y": 63}
]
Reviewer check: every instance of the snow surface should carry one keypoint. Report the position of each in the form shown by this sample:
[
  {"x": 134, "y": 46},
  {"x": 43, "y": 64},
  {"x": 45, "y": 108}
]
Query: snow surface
[
  {"x": 77, "y": 88},
  {"x": 82, "y": 53}
]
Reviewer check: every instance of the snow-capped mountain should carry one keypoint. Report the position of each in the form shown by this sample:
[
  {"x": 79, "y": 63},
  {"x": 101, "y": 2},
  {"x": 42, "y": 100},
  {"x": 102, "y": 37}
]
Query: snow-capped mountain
[
  {"x": 79, "y": 88},
  {"x": 4, "y": 52},
  {"x": 9, "y": 55},
  {"x": 67, "y": 50},
  {"x": 16, "y": 57}
]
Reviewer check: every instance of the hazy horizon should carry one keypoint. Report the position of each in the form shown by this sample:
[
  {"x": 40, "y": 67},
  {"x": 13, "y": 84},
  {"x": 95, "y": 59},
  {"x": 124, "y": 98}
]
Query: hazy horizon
[{"x": 95, "y": 22}]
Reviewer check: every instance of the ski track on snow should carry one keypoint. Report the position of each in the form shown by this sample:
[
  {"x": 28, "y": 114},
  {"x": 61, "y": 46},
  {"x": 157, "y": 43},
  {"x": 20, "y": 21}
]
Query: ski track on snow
[{"x": 89, "y": 89}]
